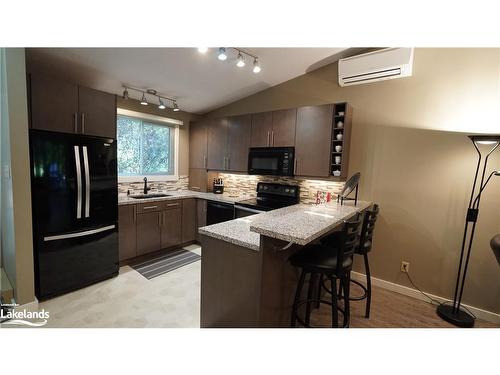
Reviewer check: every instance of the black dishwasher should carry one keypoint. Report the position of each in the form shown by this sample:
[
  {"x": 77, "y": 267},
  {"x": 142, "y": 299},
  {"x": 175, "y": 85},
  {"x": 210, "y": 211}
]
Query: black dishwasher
[{"x": 218, "y": 212}]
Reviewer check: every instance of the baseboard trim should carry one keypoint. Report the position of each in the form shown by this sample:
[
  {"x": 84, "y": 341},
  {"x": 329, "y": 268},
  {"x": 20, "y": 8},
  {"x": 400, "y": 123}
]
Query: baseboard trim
[{"x": 410, "y": 292}]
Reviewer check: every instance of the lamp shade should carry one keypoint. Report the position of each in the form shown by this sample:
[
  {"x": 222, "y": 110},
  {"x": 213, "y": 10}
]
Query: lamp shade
[{"x": 485, "y": 139}]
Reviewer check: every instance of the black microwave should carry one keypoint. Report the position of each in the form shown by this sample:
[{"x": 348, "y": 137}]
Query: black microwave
[{"x": 275, "y": 161}]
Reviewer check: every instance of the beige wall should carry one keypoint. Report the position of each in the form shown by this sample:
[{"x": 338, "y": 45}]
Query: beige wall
[
  {"x": 17, "y": 247},
  {"x": 186, "y": 117},
  {"x": 415, "y": 163}
]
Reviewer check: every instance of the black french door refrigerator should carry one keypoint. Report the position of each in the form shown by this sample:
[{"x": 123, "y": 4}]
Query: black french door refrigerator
[{"x": 75, "y": 210}]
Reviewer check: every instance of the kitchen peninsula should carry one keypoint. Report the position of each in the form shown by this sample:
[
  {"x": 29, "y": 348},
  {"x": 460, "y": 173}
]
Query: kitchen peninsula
[{"x": 246, "y": 279}]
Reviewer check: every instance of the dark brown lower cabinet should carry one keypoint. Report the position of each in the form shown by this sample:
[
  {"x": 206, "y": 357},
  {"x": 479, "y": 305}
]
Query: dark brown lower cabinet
[
  {"x": 171, "y": 224},
  {"x": 189, "y": 214},
  {"x": 201, "y": 213},
  {"x": 148, "y": 232},
  {"x": 127, "y": 233}
]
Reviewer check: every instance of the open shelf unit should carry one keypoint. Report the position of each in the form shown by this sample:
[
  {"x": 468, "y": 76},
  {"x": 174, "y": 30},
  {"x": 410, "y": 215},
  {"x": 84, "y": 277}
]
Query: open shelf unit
[{"x": 341, "y": 140}]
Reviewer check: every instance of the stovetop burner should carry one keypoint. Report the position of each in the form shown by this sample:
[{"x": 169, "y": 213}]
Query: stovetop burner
[{"x": 271, "y": 196}]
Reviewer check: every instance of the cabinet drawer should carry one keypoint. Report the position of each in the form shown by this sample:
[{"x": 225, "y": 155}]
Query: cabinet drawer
[
  {"x": 168, "y": 205},
  {"x": 149, "y": 207}
]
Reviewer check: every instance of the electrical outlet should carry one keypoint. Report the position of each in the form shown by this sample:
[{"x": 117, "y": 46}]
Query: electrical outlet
[{"x": 405, "y": 266}]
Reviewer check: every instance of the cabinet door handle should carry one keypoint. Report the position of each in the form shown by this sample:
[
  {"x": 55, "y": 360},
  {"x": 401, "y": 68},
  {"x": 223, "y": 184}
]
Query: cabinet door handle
[
  {"x": 272, "y": 138},
  {"x": 159, "y": 219},
  {"x": 75, "y": 115},
  {"x": 295, "y": 169},
  {"x": 268, "y": 133},
  {"x": 195, "y": 187},
  {"x": 149, "y": 207},
  {"x": 205, "y": 161},
  {"x": 83, "y": 123},
  {"x": 172, "y": 204}
]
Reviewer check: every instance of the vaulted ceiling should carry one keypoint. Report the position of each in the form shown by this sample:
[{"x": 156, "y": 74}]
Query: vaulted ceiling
[{"x": 199, "y": 82}]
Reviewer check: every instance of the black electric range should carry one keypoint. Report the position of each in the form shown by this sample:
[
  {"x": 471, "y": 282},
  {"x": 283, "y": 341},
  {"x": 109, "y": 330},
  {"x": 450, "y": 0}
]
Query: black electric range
[{"x": 270, "y": 196}]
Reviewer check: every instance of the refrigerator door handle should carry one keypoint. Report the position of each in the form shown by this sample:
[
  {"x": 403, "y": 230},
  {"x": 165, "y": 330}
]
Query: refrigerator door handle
[
  {"x": 79, "y": 234},
  {"x": 78, "y": 183},
  {"x": 87, "y": 181}
]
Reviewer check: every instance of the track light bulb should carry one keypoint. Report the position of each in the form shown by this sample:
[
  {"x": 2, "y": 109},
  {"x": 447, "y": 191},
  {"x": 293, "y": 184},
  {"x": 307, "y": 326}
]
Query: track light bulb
[
  {"x": 222, "y": 54},
  {"x": 161, "y": 106},
  {"x": 202, "y": 49},
  {"x": 125, "y": 94},
  {"x": 241, "y": 61},
  {"x": 143, "y": 100},
  {"x": 176, "y": 107},
  {"x": 256, "y": 66}
]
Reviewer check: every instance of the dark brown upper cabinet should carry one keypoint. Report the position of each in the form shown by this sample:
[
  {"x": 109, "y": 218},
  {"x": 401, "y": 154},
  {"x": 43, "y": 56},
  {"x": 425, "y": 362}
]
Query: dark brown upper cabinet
[
  {"x": 65, "y": 107},
  {"x": 274, "y": 129},
  {"x": 217, "y": 144},
  {"x": 262, "y": 126},
  {"x": 198, "y": 144},
  {"x": 283, "y": 131},
  {"x": 97, "y": 112},
  {"x": 54, "y": 105},
  {"x": 238, "y": 143},
  {"x": 313, "y": 141}
]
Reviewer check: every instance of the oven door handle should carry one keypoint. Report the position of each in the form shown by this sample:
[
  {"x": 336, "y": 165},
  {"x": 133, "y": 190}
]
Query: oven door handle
[{"x": 236, "y": 207}]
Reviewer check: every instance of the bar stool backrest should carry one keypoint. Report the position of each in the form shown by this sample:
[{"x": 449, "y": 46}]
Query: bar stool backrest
[
  {"x": 349, "y": 243},
  {"x": 366, "y": 238}
]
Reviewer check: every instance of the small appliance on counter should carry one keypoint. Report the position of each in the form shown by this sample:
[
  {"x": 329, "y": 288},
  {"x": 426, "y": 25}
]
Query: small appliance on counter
[{"x": 218, "y": 186}]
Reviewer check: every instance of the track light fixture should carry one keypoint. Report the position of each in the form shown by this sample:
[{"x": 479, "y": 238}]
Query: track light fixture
[
  {"x": 222, "y": 55},
  {"x": 144, "y": 100},
  {"x": 256, "y": 66},
  {"x": 241, "y": 61},
  {"x": 161, "y": 105}
]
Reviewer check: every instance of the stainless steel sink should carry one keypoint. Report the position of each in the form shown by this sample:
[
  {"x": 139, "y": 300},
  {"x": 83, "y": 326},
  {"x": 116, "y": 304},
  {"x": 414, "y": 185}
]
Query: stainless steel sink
[{"x": 147, "y": 196}]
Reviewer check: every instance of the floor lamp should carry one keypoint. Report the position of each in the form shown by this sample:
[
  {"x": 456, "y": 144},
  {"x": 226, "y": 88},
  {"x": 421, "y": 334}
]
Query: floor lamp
[{"x": 454, "y": 313}]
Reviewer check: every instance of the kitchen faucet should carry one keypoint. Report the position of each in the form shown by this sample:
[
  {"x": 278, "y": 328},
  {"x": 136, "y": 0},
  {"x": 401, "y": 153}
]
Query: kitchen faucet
[{"x": 146, "y": 188}]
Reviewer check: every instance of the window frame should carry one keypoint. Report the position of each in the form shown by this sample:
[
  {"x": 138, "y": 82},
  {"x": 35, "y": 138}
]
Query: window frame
[{"x": 156, "y": 120}]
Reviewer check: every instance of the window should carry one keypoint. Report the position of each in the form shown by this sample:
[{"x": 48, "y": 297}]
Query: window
[{"x": 145, "y": 147}]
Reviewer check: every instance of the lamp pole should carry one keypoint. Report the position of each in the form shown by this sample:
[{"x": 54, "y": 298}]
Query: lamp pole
[{"x": 454, "y": 313}]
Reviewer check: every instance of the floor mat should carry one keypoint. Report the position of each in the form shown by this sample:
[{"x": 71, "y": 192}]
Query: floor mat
[{"x": 165, "y": 263}]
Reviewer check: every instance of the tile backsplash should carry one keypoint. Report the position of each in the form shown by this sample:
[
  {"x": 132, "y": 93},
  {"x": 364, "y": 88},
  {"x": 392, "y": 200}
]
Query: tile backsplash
[
  {"x": 246, "y": 185},
  {"x": 137, "y": 187}
]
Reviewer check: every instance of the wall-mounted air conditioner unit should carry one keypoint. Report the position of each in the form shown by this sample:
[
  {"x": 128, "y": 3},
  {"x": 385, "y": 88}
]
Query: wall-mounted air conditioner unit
[{"x": 376, "y": 66}]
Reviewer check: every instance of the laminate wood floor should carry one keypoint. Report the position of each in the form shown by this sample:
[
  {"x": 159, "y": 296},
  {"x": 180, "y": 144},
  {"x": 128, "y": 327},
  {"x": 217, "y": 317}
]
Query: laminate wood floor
[
  {"x": 389, "y": 310},
  {"x": 173, "y": 300}
]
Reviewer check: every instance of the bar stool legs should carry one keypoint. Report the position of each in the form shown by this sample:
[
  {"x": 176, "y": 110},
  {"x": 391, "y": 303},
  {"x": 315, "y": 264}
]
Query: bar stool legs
[
  {"x": 298, "y": 292},
  {"x": 368, "y": 286},
  {"x": 335, "y": 312}
]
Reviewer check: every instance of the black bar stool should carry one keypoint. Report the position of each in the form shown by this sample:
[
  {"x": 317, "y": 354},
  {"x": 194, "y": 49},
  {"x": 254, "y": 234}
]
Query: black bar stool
[
  {"x": 333, "y": 262},
  {"x": 364, "y": 247}
]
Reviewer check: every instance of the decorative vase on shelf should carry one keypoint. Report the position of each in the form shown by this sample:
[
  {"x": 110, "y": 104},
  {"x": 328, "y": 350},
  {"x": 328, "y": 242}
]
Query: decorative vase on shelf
[
  {"x": 336, "y": 173},
  {"x": 340, "y": 124},
  {"x": 340, "y": 137}
]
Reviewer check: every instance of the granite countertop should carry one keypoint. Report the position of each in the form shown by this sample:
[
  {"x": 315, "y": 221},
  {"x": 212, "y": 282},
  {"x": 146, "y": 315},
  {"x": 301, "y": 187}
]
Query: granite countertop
[
  {"x": 123, "y": 199},
  {"x": 235, "y": 231},
  {"x": 302, "y": 223}
]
